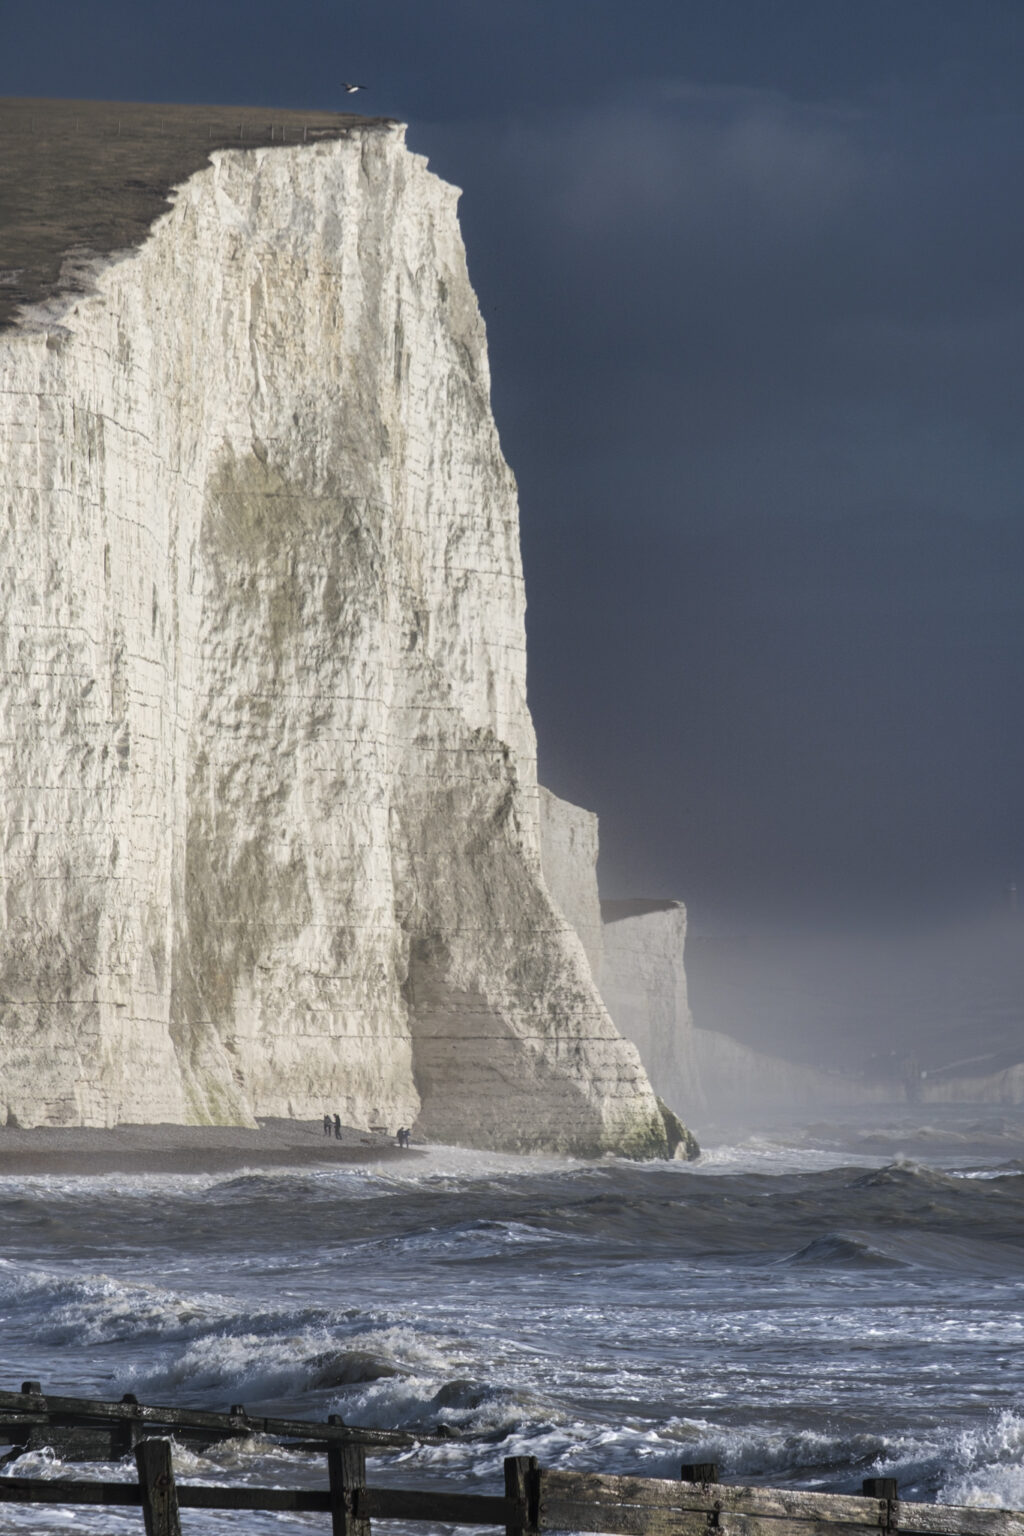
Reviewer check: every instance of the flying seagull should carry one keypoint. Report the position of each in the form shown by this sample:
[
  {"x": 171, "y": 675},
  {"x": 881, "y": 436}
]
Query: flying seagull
[{"x": 348, "y": 89}]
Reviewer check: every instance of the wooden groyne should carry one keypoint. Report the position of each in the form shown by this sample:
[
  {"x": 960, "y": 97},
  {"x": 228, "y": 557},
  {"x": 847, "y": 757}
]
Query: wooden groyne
[
  {"x": 84, "y": 1429},
  {"x": 535, "y": 1499}
]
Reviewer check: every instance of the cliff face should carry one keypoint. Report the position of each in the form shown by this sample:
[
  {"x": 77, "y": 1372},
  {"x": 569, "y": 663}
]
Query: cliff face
[
  {"x": 644, "y": 987},
  {"x": 635, "y": 951},
  {"x": 271, "y": 828},
  {"x": 568, "y": 853}
]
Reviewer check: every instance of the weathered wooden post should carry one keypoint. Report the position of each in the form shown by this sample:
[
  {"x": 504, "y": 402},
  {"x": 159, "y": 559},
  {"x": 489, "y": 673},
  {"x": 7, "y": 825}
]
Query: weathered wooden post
[
  {"x": 887, "y": 1488},
  {"x": 346, "y": 1471},
  {"x": 522, "y": 1480},
  {"x": 124, "y": 1434},
  {"x": 159, "y": 1495},
  {"x": 699, "y": 1472}
]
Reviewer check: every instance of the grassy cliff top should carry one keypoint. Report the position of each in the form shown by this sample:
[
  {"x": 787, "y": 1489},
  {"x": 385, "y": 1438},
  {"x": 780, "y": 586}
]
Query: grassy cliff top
[{"x": 91, "y": 176}]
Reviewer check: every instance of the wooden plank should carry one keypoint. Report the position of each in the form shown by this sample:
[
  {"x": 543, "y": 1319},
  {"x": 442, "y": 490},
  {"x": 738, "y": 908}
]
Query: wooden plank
[
  {"x": 277, "y": 1500},
  {"x": 307, "y": 1429},
  {"x": 156, "y": 1482},
  {"x": 643, "y": 1512},
  {"x": 522, "y": 1487},
  {"x": 738, "y": 1524},
  {"x": 87, "y": 1410},
  {"x": 619, "y": 1519},
  {"x": 958, "y": 1520},
  {"x": 660, "y": 1493},
  {"x": 98, "y": 1442},
  {"x": 646, "y": 1520},
  {"x": 802, "y": 1504},
  {"x": 735, "y": 1524},
  {"x": 72, "y": 1437},
  {"x": 382, "y": 1503},
  {"x": 346, "y": 1471},
  {"x": 37, "y": 1490},
  {"x": 440, "y": 1508},
  {"x": 95, "y": 1441}
]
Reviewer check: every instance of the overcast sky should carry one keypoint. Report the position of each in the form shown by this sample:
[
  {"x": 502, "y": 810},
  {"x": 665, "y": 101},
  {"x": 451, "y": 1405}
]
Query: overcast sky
[{"x": 753, "y": 274}]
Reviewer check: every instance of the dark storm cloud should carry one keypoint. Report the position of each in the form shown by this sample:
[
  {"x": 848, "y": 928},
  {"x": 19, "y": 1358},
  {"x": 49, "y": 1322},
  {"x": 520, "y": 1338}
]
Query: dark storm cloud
[
  {"x": 765, "y": 418},
  {"x": 822, "y": 307}
]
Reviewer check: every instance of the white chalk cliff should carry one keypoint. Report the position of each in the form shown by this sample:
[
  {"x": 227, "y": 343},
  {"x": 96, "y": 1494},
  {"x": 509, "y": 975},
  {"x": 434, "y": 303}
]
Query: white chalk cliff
[
  {"x": 635, "y": 953},
  {"x": 644, "y": 988},
  {"x": 270, "y": 816},
  {"x": 568, "y": 856}
]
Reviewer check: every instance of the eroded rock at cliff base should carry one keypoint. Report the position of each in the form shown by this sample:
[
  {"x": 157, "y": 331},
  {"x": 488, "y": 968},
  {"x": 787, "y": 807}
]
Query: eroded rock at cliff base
[
  {"x": 271, "y": 827},
  {"x": 683, "y": 1145}
]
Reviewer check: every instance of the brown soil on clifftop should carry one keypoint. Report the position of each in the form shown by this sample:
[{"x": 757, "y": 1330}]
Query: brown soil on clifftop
[{"x": 86, "y": 178}]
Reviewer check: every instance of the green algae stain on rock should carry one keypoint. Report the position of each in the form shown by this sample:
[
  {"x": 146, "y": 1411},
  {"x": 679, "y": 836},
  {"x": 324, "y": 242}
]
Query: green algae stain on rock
[{"x": 682, "y": 1143}]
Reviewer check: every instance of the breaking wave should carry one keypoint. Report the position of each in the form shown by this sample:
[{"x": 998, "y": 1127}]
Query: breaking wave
[
  {"x": 846, "y": 1250},
  {"x": 795, "y": 1315}
]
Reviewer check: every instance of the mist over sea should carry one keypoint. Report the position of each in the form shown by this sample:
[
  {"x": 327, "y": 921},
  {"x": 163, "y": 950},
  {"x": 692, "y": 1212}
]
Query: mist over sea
[{"x": 804, "y": 1307}]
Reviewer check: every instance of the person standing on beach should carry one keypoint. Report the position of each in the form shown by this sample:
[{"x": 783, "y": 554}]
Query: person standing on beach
[
  {"x": 327, "y": 1125},
  {"x": 337, "y": 1127}
]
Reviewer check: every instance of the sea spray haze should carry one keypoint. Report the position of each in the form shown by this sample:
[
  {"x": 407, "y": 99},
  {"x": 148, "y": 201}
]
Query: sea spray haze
[
  {"x": 794, "y": 1307},
  {"x": 928, "y": 1010}
]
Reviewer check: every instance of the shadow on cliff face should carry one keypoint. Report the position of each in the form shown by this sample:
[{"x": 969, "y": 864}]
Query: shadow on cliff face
[
  {"x": 512, "y": 1047},
  {"x": 283, "y": 941}
]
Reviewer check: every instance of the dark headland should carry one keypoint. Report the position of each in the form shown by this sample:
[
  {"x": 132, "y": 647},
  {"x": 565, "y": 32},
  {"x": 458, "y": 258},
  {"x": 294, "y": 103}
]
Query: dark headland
[{"x": 85, "y": 178}]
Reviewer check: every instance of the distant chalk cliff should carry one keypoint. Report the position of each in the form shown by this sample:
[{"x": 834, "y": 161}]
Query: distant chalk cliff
[
  {"x": 270, "y": 814},
  {"x": 635, "y": 953}
]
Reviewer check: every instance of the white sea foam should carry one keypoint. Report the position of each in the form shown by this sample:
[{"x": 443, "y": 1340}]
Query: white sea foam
[
  {"x": 97, "y": 1308},
  {"x": 604, "y": 1316},
  {"x": 986, "y": 1465},
  {"x": 767, "y": 1154}
]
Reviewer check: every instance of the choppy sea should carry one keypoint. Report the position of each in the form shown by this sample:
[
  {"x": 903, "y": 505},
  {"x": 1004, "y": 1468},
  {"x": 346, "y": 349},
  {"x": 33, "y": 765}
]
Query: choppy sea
[{"x": 805, "y": 1307}]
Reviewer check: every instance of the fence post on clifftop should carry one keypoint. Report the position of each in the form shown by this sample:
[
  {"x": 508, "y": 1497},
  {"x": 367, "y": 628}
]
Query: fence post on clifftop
[
  {"x": 346, "y": 1470},
  {"x": 521, "y": 1483},
  {"x": 159, "y": 1495}
]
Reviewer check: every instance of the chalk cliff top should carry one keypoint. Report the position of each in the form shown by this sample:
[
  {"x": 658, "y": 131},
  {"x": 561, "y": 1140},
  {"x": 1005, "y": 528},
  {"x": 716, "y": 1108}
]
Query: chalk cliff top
[
  {"x": 85, "y": 178},
  {"x": 639, "y": 906}
]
